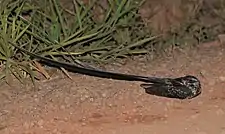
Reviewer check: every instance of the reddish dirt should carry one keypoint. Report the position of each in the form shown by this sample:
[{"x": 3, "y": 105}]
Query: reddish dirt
[{"x": 90, "y": 105}]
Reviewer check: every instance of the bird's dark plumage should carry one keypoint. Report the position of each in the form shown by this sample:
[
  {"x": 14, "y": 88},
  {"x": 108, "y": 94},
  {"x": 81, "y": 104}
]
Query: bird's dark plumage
[{"x": 186, "y": 87}]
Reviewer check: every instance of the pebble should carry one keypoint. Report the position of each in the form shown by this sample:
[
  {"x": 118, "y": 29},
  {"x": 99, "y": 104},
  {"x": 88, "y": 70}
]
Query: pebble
[
  {"x": 110, "y": 104},
  {"x": 194, "y": 116},
  {"x": 36, "y": 100},
  {"x": 62, "y": 107},
  {"x": 83, "y": 124},
  {"x": 104, "y": 95},
  {"x": 40, "y": 123},
  {"x": 82, "y": 98},
  {"x": 222, "y": 78},
  {"x": 91, "y": 99},
  {"x": 86, "y": 96}
]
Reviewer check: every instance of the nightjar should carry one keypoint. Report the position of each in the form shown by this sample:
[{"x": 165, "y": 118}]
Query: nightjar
[{"x": 186, "y": 87}]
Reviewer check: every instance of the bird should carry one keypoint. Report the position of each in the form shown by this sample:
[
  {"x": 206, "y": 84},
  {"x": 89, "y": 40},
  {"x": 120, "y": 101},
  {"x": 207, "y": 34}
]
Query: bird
[{"x": 186, "y": 87}]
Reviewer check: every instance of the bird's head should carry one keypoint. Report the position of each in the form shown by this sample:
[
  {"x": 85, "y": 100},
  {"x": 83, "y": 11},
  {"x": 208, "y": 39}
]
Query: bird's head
[{"x": 192, "y": 83}]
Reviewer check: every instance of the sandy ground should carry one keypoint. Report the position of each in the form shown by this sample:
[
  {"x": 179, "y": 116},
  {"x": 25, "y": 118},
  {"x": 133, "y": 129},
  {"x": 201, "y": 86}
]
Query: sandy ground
[{"x": 90, "y": 105}]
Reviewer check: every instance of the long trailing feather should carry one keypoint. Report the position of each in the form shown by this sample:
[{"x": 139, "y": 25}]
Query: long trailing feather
[{"x": 90, "y": 71}]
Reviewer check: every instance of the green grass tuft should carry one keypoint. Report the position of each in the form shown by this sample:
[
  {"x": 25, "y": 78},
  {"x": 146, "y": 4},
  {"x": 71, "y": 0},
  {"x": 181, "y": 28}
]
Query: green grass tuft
[{"x": 80, "y": 34}]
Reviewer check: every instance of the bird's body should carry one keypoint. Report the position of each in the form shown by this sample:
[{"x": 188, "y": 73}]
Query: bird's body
[{"x": 181, "y": 88}]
